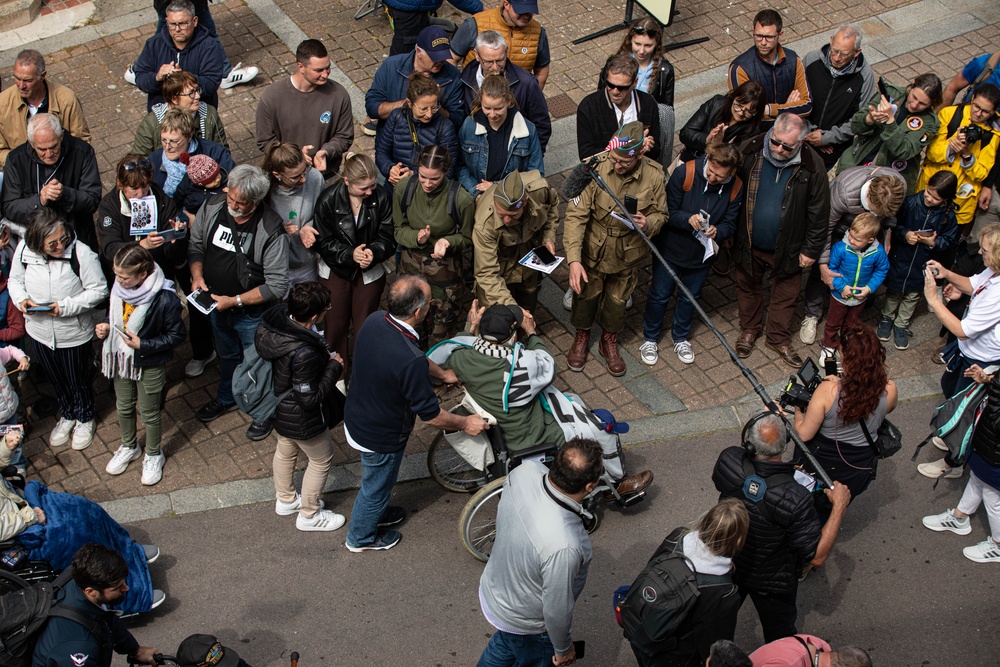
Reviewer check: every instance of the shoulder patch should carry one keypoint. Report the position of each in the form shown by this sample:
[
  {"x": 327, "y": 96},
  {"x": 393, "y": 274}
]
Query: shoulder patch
[
  {"x": 927, "y": 137},
  {"x": 899, "y": 165},
  {"x": 915, "y": 123},
  {"x": 107, "y": 221}
]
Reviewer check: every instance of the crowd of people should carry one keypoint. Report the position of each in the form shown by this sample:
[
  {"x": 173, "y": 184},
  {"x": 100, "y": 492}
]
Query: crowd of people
[{"x": 807, "y": 165}]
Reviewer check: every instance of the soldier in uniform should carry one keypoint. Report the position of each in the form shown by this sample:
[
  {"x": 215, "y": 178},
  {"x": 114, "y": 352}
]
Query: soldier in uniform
[
  {"x": 604, "y": 254},
  {"x": 513, "y": 217}
]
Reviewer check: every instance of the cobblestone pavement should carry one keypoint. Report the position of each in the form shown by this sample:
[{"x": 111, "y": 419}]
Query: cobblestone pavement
[{"x": 200, "y": 455}]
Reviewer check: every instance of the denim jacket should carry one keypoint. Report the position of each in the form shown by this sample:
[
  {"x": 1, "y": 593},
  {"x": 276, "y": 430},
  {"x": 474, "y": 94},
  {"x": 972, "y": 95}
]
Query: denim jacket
[{"x": 524, "y": 153}]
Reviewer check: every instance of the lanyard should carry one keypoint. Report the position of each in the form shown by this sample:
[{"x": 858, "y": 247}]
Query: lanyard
[{"x": 399, "y": 328}]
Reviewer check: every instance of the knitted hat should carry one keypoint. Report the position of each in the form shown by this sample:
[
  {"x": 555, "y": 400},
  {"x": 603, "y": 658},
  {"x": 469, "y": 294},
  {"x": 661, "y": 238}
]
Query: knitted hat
[
  {"x": 510, "y": 193},
  {"x": 201, "y": 169},
  {"x": 627, "y": 142}
]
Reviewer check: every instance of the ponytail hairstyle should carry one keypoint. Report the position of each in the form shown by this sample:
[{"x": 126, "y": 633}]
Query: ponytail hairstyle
[
  {"x": 134, "y": 259},
  {"x": 358, "y": 167},
  {"x": 945, "y": 184},
  {"x": 434, "y": 157}
]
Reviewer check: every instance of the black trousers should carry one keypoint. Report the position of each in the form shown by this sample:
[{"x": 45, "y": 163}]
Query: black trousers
[
  {"x": 777, "y": 612},
  {"x": 406, "y": 27}
]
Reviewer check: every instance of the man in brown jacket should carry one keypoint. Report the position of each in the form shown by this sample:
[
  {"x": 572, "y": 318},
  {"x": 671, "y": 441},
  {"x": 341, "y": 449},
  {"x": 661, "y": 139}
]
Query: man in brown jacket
[{"x": 32, "y": 94}]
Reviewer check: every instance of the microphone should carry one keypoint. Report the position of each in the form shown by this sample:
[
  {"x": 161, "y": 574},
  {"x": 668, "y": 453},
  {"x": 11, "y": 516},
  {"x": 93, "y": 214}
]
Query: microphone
[
  {"x": 294, "y": 657},
  {"x": 578, "y": 179}
]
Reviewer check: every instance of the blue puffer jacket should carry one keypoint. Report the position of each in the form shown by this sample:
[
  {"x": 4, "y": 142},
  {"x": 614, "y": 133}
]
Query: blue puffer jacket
[
  {"x": 906, "y": 262},
  {"x": 395, "y": 141},
  {"x": 467, "y": 6},
  {"x": 203, "y": 57},
  {"x": 524, "y": 153},
  {"x": 189, "y": 196},
  {"x": 858, "y": 269}
]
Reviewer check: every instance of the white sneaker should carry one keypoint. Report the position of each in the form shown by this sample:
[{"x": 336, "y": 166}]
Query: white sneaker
[
  {"x": 196, "y": 367},
  {"x": 649, "y": 353},
  {"x": 130, "y": 75},
  {"x": 60, "y": 434},
  {"x": 119, "y": 462},
  {"x": 824, "y": 354},
  {"x": 948, "y": 521},
  {"x": 152, "y": 469},
  {"x": 684, "y": 352},
  {"x": 287, "y": 509},
  {"x": 807, "y": 333},
  {"x": 986, "y": 551},
  {"x": 939, "y": 443},
  {"x": 323, "y": 520},
  {"x": 83, "y": 434},
  {"x": 159, "y": 597},
  {"x": 238, "y": 75},
  {"x": 939, "y": 469},
  {"x": 568, "y": 299}
]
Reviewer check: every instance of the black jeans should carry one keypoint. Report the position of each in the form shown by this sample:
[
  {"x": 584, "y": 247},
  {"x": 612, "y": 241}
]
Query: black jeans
[
  {"x": 777, "y": 611},
  {"x": 406, "y": 26}
]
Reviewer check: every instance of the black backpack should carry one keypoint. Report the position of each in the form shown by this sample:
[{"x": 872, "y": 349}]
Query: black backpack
[
  {"x": 24, "y": 612},
  {"x": 662, "y": 596}
]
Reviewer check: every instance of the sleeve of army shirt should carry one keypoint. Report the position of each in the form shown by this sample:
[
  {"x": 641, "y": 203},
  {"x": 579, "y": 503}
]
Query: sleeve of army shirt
[
  {"x": 656, "y": 210},
  {"x": 575, "y": 224},
  {"x": 484, "y": 244},
  {"x": 552, "y": 218}
]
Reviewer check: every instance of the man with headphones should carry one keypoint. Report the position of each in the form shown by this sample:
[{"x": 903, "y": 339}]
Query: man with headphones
[{"x": 785, "y": 530}]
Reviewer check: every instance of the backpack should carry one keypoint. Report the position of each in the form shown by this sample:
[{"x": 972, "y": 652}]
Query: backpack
[
  {"x": 411, "y": 188},
  {"x": 954, "y": 422},
  {"x": 689, "y": 168},
  {"x": 24, "y": 613},
  {"x": 253, "y": 385},
  {"x": 661, "y": 598},
  {"x": 956, "y": 122}
]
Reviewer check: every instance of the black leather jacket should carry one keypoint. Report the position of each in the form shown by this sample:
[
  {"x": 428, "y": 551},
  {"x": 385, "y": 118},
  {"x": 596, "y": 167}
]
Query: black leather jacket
[
  {"x": 162, "y": 331},
  {"x": 776, "y": 549},
  {"x": 311, "y": 376},
  {"x": 662, "y": 88},
  {"x": 339, "y": 236},
  {"x": 694, "y": 134}
]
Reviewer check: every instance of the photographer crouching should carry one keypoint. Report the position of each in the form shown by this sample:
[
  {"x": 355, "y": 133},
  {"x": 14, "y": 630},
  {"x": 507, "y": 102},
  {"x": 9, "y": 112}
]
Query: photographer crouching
[{"x": 830, "y": 426}]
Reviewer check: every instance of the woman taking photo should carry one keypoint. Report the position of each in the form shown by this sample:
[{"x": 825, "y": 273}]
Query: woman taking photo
[
  {"x": 411, "y": 127},
  {"x": 57, "y": 284},
  {"x": 432, "y": 237},
  {"x": 977, "y": 342},
  {"x": 145, "y": 307},
  {"x": 644, "y": 42},
  {"x": 353, "y": 222},
  {"x": 496, "y": 139},
  {"x": 831, "y": 426},
  {"x": 295, "y": 187},
  {"x": 181, "y": 91},
  {"x": 728, "y": 119}
]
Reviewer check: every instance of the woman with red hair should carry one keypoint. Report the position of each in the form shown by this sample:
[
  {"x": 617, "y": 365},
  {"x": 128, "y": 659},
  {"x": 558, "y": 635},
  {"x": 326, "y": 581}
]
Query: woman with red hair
[{"x": 831, "y": 424}]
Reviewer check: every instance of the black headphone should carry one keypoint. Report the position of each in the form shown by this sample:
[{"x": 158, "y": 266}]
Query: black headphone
[{"x": 750, "y": 448}]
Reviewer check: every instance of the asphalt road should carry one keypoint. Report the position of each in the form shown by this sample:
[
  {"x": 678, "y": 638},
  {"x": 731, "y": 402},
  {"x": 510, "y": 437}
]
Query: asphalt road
[{"x": 248, "y": 576}]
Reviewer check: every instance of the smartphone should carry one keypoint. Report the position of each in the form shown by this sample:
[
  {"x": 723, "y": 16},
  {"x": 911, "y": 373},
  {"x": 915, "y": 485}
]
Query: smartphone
[
  {"x": 122, "y": 331},
  {"x": 884, "y": 89},
  {"x": 926, "y": 233},
  {"x": 631, "y": 204},
  {"x": 173, "y": 234},
  {"x": 203, "y": 299},
  {"x": 706, "y": 218},
  {"x": 41, "y": 308},
  {"x": 543, "y": 254},
  {"x": 580, "y": 646}
]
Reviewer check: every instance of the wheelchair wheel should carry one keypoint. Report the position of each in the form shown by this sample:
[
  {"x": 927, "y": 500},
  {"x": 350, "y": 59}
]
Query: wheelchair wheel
[
  {"x": 450, "y": 470},
  {"x": 10, "y": 582},
  {"x": 477, "y": 526}
]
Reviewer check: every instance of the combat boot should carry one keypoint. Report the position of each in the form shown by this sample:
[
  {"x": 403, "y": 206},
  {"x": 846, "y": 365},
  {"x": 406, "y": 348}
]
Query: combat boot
[
  {"x": 577, "y": 355},
  {"x": 608, "y": 348}
]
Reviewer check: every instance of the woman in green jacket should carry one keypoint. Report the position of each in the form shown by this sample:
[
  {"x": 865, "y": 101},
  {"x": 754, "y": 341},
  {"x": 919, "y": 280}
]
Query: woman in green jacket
[{"x": 180, "y": 90}]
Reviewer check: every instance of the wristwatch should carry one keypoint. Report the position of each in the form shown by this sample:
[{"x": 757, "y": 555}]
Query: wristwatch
[{"x": 239, "y": 301}]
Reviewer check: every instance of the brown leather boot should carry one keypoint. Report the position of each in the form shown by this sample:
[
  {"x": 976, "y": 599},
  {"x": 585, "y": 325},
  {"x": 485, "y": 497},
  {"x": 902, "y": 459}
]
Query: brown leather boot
[
  {"x": 634, "y": 483},
  {"x": 577, "y": 355},
  {"x": 608, "y": 348}
]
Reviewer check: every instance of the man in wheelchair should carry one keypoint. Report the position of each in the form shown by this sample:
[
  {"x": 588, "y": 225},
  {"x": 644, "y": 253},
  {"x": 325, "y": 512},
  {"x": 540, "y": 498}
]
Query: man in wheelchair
[
  {"x": 512, "y": 381},
  {"x": 51, "y": 527}
]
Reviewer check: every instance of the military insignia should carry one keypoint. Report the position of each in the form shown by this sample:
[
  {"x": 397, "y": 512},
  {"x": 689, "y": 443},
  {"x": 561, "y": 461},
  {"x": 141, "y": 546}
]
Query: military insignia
[
  {"x": 576, "y": 201},
  {"x": 79, "y": 659},
  {"x": 107, "y": 221},
  {"x": 927, "y": 137},
  {"x": 899, "y": 165},
  {"x": 915, "y": 123},
  {"x": 631, "y": 153}
]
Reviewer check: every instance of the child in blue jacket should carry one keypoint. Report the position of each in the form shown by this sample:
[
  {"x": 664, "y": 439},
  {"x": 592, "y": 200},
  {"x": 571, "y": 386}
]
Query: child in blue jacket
[
  {"x": 862, "y": 264},
  {"x": 925, "y": 228}
]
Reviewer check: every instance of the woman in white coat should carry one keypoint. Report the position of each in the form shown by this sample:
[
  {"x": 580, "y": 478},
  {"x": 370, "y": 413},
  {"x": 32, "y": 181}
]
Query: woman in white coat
[{"x": 58, "y": 283}]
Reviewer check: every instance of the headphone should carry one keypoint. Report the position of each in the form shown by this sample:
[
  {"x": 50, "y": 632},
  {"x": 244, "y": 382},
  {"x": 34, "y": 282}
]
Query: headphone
[{"x": 750, "y": 448}]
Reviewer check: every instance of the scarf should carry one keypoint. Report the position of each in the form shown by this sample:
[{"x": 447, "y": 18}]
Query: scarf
[
  {"x": 176, "y": 170},
  {"x": 117, "y": 358}
]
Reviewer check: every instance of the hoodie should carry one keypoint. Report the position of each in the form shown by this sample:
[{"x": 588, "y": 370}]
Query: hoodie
[{"x": 203, "y": 56}]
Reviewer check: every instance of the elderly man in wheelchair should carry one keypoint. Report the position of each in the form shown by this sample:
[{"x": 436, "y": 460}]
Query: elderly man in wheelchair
[
  {"x": 41, "y": 530},
  {"x": 509, "y": 383}
]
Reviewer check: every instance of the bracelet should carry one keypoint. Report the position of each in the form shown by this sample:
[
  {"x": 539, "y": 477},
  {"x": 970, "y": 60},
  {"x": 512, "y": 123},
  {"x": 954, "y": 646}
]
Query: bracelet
[{"x": 239, "y": 300}]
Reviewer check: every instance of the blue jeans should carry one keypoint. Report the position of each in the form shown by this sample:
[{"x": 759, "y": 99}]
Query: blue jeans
[
  {"x": 379, "y": 472},
  {"x": 234, "y": 330},
  {"x": 204, "y": 20},
  {"x": 659, "y": 295},
  {"x": 507, "y": 650}
]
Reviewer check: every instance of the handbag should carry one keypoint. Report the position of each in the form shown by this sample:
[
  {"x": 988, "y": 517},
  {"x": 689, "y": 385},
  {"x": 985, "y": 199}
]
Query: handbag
[{"x": 889, "y": 440}]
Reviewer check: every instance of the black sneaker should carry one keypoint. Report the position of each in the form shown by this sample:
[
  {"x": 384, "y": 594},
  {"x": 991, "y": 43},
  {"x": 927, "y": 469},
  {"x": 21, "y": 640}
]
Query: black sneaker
[
  {"x": 386, "y": 539},
  {"x": 213, "y": 410},
  {"x": 899, "y": 338},
  {"x": 393, "y": 516},
  {"x": 259, "y": 431},
  {"x": 884, "y": 331},
  {"x": 370, "y": 127}
]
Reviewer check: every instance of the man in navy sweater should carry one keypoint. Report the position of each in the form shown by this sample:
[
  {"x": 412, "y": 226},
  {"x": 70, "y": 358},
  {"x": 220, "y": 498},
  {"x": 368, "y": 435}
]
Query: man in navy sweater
[{"x": 390, "y": 387}]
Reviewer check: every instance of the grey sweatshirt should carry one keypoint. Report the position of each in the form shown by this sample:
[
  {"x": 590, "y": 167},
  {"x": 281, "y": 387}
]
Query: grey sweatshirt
[
  {"x": 539, "y": 563},
  {"x": 296, "y": 207}
]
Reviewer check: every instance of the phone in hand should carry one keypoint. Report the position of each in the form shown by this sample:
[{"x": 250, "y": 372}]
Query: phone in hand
[
  {"x": 41, "y": 308},
  {"x": 580, "y": 647},
  {"x": 884, "y": 89},
  {"x": 169, "y": 235},
  {"x": 122, "y": 331},
  {"x": 203, "y": 300},
  {"x": 926, "y": 233},
  {"x": 631, "y": 204},
  {"x": 543, "y": 255},
  {"x": 706, "y": 218}
]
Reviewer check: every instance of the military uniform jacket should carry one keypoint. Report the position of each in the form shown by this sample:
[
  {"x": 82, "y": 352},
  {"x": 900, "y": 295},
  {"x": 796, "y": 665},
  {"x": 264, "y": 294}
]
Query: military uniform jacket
[
  {"x": 499, "y": 247},
  {"x": 603, "y": 243}
]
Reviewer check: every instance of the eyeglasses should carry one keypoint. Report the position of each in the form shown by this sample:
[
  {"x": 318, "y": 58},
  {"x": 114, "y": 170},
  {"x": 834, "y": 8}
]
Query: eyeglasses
[
  {"x": 621, "y": 89},
  {"x": 981, "y": 109},
  {"x": 180, "y": 25},
  {"x": 782, "y": 144},
  {"x": 494, "y": 63},
  {"x": 652, "y": 33},
  {"x": 842, "y": 54},
  {"x": 193, "y": 93},
  {"x": 141, "y": 165},
  {"x": 172, "y": 143},
  {"x": 764, "y": 38},
  {"x": 61, "y": 242},
  {"x": 743, "y": 108}
]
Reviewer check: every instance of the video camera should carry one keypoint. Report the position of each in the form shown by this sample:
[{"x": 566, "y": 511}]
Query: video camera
[{"x": 801, "y": 386}]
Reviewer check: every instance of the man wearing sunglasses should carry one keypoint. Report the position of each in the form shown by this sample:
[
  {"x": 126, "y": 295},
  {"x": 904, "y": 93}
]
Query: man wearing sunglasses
[
  {"x": 807, "y": 651},
  {"x": 782, "y": 229},
  {"x": 776, "y": 68}
]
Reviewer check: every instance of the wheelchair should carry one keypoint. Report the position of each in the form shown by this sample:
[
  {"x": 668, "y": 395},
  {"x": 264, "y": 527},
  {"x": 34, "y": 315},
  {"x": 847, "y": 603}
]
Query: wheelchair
[
  {"x": 448, "y": 461},
  {"x": 17, "y": 571}
]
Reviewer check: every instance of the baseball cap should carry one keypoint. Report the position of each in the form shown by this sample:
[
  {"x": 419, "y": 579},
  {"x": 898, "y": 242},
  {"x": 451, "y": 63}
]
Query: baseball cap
[
  {"x": 205, "y": 651},
  {"x": 510, "y": 193},
  {"x": 499, "y": 322},
  {"x": 524, "y": 6},
  {"x": 434, "y": 40}
]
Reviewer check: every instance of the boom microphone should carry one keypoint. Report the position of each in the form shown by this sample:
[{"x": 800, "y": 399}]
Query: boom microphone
[{"x": 578, "y": 179}]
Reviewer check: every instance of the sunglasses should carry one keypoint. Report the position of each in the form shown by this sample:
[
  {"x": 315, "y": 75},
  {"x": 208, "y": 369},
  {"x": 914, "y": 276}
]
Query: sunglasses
[
  {"x": 620, "y": 89},
  {"x": 134, "y": 165},
  {"x": 652, "y": 33},
  {"x": 782, "y": 144}
]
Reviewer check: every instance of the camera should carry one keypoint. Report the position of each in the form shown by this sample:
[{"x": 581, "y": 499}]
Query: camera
[
  {"x": 935, "y": 272},
  {"x": 973, "y": 133},
  {"x": 801, "y": 386}
]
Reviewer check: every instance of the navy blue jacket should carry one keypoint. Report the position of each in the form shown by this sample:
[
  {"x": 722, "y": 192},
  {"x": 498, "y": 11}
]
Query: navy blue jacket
[
  {"x": 162, "y": 330},
  {"x": 392, "y": 78},
  {"x": 527, "y": 93},
  {"x": 906, "y": 262},
  {"x": 203, "y": 57},
  {"x": 676, "y": 241},
  {"x": 189, "y": 196},
  {"x": 779, "y": 79},
  {"x": 390, "y": 386},
  {"x": 394, "y": 142},
  {"x": 467, "y": 6},
  {"x": 66, "y": 643}
]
